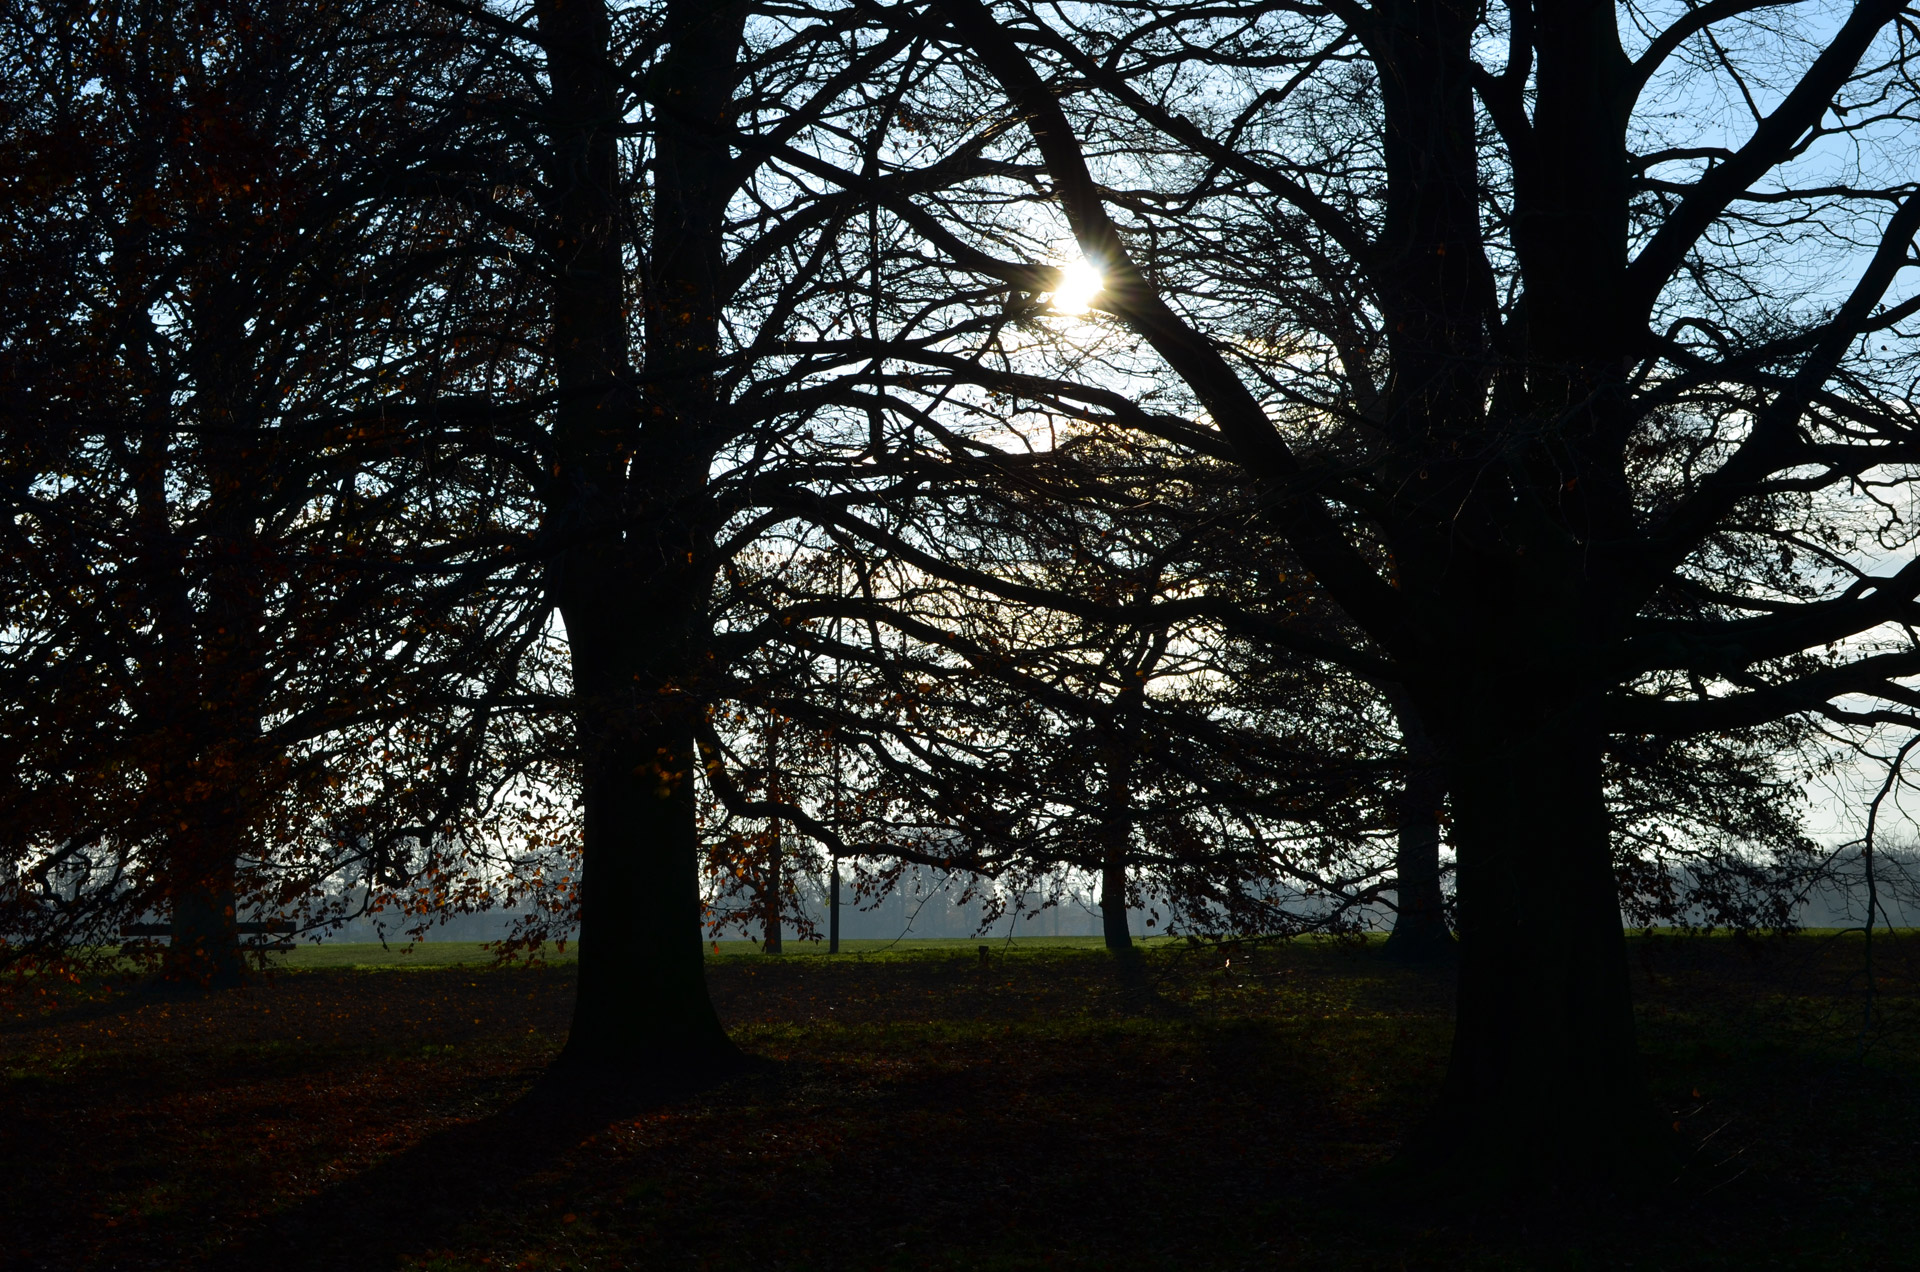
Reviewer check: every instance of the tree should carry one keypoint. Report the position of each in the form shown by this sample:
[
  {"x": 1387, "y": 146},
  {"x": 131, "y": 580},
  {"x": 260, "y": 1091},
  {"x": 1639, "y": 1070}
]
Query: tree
[
  {"x": 644, "y": 185},
  {"x": 1077, "y": 686},
  {"x": 1571, "y": 453},
  {"x": 234, "y": 577},
  {"x": 631, "y": 455}
]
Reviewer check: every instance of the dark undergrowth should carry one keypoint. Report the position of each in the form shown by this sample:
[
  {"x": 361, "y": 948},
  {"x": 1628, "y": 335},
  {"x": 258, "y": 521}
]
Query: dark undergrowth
[{"x": 1220, "y": 1109}]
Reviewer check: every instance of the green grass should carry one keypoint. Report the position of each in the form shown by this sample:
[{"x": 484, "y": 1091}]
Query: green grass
[
  {"x": 371, "y": 956},
  {"x": 431, "y": 953},
  {"x": 942, "y": 946}
]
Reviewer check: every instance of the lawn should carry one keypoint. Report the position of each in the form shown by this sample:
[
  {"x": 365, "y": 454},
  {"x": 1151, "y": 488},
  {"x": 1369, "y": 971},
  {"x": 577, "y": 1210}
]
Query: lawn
[
  {"x": 928, "y": 1111},
  {"x": 467, "y": 953}
]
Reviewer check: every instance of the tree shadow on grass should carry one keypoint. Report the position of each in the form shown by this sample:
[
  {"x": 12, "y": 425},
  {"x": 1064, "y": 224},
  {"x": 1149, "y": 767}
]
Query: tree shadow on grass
[
  {"x": 418, "y": 1198},
  {"x": 1134, "y": 990},
  {"x": 116, "y": 1002}
]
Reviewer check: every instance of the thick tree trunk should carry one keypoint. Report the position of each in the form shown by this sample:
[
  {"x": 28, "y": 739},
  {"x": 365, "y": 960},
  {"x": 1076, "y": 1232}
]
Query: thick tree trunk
[
  {"x": 1508, "y": 595},
  {"x": 641, "y": 1000},
  {"x": 1420, "y": 932},
  {"x": 630, "y": 493},
  {"x": 205, "y": 942},
  {"x": 1544, "y": 1084},
  {"x": 197, "y": 872},
  {"x": 210, "y": 773}
]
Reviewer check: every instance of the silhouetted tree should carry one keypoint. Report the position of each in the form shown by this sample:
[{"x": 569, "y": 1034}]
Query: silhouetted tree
[
  {"x": 231, "y": 586},
  {"x": 647, "y": 138},
  {"x": 1541, "y": 413}
]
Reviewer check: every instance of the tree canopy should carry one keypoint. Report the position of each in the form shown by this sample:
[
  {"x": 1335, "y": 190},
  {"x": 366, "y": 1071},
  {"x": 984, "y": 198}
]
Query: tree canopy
[{"x": 1206, "y": 446}]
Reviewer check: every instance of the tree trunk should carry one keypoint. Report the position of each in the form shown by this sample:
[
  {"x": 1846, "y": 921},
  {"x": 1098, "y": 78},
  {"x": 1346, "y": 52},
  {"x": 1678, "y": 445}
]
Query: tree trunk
[
  {"x": 1508, "y": 594},
  {"x": 833, "y": 911},
  {"x": 771, "y": 894},
  {"x": 1113, "y": 896},
  {"x": 773, "y": 879},
  {"x": 629, "y": 492},
  {"x": 1420, "y": 931},
  {"x": 1544, "y": 1083},
  {"x": 205, "y": 941},
  {"x": 210, "y": 771},
  {"x": 1116, "y": 829},
  {"x": 197, "y": 876},
  {"x": 642, "y": 993}
]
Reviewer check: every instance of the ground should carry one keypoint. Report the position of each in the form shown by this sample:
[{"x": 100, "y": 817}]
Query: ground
[{"x": 929, "y": 1109}]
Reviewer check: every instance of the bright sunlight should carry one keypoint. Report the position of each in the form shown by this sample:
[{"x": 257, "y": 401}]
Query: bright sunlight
[{"x": 1080, "y": 282}]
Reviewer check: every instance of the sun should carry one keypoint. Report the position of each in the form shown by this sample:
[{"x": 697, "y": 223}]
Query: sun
[{"x": 1080, "y": 282}]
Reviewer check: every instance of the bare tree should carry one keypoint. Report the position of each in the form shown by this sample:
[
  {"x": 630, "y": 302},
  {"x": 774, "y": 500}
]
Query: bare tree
[
  {"x": 1526, "y": 385},
  {"x": 240, "y": 662}
]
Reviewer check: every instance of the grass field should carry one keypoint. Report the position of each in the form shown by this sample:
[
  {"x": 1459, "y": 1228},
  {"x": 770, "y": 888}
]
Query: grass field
[
  {"x": 927, "y": 1112},
  {"x": 477, "y": 953}
]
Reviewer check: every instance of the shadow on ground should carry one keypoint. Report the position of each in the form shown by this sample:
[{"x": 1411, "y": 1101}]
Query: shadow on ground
[
  {"x": 1202, "y": 1110},
  {"x": 420, "y": 1198}
]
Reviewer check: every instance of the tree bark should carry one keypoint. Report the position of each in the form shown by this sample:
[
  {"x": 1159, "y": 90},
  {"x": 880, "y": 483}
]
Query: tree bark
[
  {"x": 1507, "y": 596},
  {"x": 771, "y": 894},
  {"x": 207, "y": 708},
  {"x": 1116, "y": 828},
  {"x": 1420, "y": 932},
  {"x": 1113, "y": 897},
  {"x": 1116, "y": 838},
  {"x": 642, "y": 993},
  {"x": 833, "y": 910},
  {"x": 629, "y": 495},
  {"x": 185, "y": 789},
  {"x": 1544, "y": 1083},
  {"x": 204, "y": 944}
]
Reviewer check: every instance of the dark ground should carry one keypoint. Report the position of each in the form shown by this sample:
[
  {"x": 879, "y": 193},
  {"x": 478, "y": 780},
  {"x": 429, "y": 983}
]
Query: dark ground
[{"x": 926, "y": 1113}]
